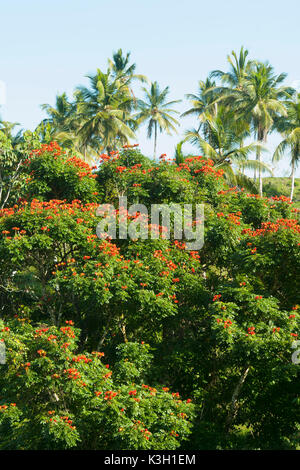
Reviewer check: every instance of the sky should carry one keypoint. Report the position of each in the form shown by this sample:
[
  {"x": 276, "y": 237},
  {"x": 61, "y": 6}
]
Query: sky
[{"x": 49, "y": 47}]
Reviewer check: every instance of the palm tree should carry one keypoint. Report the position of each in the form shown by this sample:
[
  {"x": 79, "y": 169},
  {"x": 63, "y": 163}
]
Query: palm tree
[
  {"x": 259, "y": 100},
  {"x": 105, "y": 110},
  {"x": 289, "y": 127},
  {"x": 225, "y": 147},
  {"x": 121, "y": 68},
  {"x": 240, "y": 68},
  {"x": 203, "y": 104},
  {"x": 63, "y": 125},
  {"x": 157, "y": 111},
  {"x": 59, "y": 115},
  {"x": 178, "y": 154},
  {"x": 7, "y": 128}
]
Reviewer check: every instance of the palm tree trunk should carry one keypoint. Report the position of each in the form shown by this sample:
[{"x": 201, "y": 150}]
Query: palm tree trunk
[
  {"x": 293, "y": 179},
  {"x": 260, "y": 175},
  {"x": 263, "y": 139},
  {"x": 241, "y": 146},
  {"x": 257, "y": 158},
  {"x": 155, "y": 140},
  {"x": 259, "y": 139}
]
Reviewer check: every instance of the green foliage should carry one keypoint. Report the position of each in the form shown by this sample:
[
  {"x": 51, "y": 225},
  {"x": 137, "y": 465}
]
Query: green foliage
[
  {"x": 55, "y": 174},
  {"x": 13, "y": 153},
  {"x": 218, "y": 326},
  {"x": 157, "y": 112},
  {"x": 54, "y": 398},
  {"x": 278, "y": 186}
]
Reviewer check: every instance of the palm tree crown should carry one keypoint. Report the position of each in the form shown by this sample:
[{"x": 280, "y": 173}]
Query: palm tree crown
[
  {"x": 157, "y": 112},
  {"x": 289, "y": 127},
  {"x": 225, "y": 148},
  {"x": 105, "y": 108},
  {"x": 203, "y": 105},
  {"x": 240, "y": 68}
]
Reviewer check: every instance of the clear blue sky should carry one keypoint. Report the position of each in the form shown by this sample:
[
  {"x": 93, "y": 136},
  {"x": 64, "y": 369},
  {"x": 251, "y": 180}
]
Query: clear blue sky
[{"x": 48, "y": 47}]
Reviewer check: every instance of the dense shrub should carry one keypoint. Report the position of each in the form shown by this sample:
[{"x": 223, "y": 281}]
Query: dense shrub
[{"x": 221, "y": 322}]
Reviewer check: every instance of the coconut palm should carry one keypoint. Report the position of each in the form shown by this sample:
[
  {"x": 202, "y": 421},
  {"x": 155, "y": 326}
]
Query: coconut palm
[
  {"x": 8, "y": 129},
  {"x": 203, "y": 104},
  {"x": 209, "y": 95},
  {"x": 240, "y": 68},
  {"x": 225, "y": 147},
  {"x": 59, "y": 116},
  {"x": 157, "y": 112},
  {"x": 63, "y": 125},
  {"x": 259, "y": 101},
  {"x": 232, "y": 81},
  {"x": 122, "y": 69},
  {"x": 105, "y": 110},
  {"x": 289, "y": 127}
]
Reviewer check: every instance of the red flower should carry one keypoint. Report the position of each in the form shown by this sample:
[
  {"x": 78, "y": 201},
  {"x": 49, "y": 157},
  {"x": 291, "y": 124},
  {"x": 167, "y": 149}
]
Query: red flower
[
  {"x": 251, "y": 330},
  {"x": 217, "y": 297}
]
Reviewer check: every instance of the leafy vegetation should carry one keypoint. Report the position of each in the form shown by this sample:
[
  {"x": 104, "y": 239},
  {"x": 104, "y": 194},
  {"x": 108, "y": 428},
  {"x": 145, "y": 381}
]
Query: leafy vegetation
[
  {"x": 132, "y": 343},
  {"x": 277, "y": 186}
]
